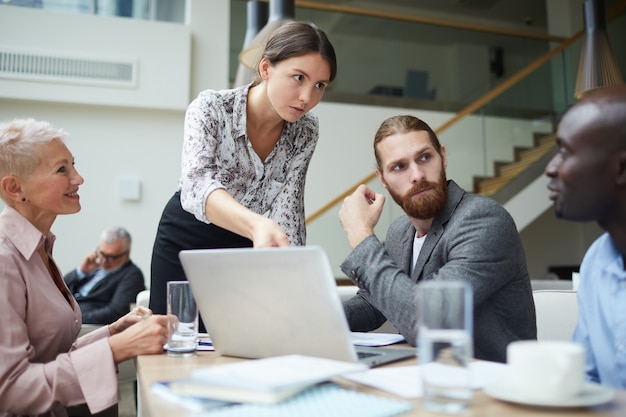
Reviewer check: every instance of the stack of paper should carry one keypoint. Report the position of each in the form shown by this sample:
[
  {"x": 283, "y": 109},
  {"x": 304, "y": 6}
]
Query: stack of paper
[
  {"x": 375, "y": 339},
  {"x": 269, "y": 380}
]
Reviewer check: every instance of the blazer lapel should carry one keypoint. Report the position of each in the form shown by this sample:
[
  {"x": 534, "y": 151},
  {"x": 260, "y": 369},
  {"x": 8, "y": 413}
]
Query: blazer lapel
[{"x": 407, "y": 247}]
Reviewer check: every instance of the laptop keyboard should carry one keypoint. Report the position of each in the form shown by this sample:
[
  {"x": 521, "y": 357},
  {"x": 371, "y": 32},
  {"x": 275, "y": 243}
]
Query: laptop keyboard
[{"x": 363, "y": 355}]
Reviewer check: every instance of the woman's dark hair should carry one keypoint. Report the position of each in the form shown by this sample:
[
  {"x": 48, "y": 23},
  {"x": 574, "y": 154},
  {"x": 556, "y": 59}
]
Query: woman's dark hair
[{"x": 296, "y": 39}]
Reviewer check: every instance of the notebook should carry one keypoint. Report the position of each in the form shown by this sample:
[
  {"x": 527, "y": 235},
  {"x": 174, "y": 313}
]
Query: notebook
[{"x": 258, "y": 303}]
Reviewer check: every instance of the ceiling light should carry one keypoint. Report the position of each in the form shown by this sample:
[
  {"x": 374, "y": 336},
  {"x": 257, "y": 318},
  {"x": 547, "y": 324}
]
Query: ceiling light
[
  {"x": 597, "y": 67},
  {"x": 281, "y": 12}
]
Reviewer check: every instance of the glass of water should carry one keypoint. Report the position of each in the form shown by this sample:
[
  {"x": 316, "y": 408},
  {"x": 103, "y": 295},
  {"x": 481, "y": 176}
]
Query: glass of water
[
  {"x": 182, "y": 316},
  {"x": 445, "y": 344}
]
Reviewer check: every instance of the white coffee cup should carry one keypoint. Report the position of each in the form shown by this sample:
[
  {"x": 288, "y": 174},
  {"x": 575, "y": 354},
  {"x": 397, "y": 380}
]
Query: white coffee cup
[{"x": 548, "y": 370}]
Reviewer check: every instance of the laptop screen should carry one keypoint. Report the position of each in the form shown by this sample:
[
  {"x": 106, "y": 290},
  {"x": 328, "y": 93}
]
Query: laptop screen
[{"x": 260, "y": 303}]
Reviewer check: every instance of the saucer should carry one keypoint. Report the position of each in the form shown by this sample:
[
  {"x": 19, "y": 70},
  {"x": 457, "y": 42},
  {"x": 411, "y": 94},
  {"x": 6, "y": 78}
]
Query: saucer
[{"x": 592, "y": 394}]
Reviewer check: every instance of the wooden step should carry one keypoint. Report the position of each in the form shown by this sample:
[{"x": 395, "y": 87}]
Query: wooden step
[
  {"x": 491, "y": 185},
  {"x": 505, "y": 172},
  {"x": 546, "y": 139},
  {"x": 526, "y": 159},
  {"x": 540, "y": 150}
]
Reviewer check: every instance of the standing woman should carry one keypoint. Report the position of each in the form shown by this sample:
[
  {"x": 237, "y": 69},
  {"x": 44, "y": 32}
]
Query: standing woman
[
  {"x": 43, "y": 367},
  {"x": 245, "y": 157}
]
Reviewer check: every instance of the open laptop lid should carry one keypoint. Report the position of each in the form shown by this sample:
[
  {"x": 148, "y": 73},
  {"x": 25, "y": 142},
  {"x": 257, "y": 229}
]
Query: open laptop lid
[{"x": 258, "y": 303}]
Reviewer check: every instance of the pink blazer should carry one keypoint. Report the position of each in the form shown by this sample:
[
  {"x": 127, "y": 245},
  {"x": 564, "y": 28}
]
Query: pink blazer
[{"x": 44, "y": 368}]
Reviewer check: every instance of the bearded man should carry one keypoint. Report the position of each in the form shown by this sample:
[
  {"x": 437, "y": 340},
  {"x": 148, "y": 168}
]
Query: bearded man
[{"x": 447, "y": 234}]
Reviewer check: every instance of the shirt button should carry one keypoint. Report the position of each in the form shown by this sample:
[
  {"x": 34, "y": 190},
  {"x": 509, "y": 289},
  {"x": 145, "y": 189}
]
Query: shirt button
[
  {"x": 620, "y": 347},
  {"x": 76, "y": 321}
]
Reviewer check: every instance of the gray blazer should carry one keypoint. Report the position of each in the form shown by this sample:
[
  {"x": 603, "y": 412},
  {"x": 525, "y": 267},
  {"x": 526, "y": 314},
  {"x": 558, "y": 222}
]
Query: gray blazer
[{"x": 472, "y": 239}]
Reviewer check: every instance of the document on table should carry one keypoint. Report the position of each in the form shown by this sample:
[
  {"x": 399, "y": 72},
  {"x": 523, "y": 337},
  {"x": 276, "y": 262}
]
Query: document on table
[
  {"x": 404, "y": 381},
  {"x": 376, "y": 339},
  {"x": 358, "y": 339}
]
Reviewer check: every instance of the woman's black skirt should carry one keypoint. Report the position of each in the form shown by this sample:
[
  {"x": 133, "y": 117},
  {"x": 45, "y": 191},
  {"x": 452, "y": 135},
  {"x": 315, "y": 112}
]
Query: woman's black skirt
[{"x": 179, "y": 230}]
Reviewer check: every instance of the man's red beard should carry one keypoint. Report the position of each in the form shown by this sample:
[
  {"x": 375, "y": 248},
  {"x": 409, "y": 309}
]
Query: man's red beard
[{"x": 424, "y": 206}]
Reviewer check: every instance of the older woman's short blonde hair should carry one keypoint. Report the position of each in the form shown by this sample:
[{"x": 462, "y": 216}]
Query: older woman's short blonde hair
[{"x": 20, "y": 140}]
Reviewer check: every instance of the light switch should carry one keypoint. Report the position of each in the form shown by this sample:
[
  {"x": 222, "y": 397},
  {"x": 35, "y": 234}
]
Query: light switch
[{"x": 130, "y": 189}]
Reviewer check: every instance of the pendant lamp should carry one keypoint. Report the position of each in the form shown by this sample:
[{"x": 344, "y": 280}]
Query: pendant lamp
[
  {"x": 256, "y": 18},
  {"x": 597, "y": 67},
  {"x": 281, "y": 12}
]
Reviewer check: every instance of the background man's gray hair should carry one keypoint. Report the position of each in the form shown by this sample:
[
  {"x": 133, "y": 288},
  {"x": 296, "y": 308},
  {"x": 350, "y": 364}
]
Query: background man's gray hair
[{"x": 114, "y": 234}]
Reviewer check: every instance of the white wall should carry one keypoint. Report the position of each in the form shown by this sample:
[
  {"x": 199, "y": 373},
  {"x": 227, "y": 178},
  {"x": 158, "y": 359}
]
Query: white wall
[
  {"x": 108, "y": 144},
  {"x": 112, "y": 142},
  {"x": 139, "y": 136},
  {"x": 210, "y": 24},
  {"x": 162, "y": 55},
  {"x": 344, "y": 153}
]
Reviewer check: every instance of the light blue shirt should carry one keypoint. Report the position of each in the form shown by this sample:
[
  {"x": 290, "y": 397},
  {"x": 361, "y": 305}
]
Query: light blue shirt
[
  {"x": 601, "y": 324},
  {"x": 98, "y": 276}
]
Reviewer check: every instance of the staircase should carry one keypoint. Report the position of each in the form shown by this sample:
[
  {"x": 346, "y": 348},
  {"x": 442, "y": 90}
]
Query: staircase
[{"x": 525, "y": 158}]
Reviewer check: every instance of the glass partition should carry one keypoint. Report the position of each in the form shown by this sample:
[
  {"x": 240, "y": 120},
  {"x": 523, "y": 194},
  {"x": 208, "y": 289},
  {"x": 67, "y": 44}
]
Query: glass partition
[{"x": 442, "y": 67}]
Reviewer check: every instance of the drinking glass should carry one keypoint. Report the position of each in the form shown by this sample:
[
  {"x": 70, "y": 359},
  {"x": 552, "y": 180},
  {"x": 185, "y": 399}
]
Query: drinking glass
[
  {"x": 182, "y": 315},
  {"x": 445, "y": 344}
]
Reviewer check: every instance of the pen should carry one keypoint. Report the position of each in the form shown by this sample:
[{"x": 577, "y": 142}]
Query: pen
[{"x": 142, "y": 311}]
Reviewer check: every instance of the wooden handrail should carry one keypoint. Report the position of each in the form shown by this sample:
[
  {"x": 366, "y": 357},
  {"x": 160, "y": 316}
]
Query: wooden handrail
[{"x": 480, "y": 102}]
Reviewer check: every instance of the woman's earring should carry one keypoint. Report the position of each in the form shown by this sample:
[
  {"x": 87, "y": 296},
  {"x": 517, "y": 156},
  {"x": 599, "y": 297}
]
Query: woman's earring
[{"x": 23, "y": 199}]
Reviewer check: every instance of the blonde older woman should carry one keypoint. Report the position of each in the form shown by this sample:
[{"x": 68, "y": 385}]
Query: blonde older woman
[{"x": 44, "y": 368}]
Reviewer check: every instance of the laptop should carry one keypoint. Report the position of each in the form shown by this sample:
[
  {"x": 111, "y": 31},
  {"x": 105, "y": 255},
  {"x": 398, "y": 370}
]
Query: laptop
[{"x": 258, "y": 303}]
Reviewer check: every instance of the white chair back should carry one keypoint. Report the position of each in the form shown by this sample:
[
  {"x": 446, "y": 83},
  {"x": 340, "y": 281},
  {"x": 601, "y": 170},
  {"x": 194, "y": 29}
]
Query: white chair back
[
  {"x": 557, "y": 314},
  {"x": 551, "y": 284},
  {"x": 143, "y": 298}
]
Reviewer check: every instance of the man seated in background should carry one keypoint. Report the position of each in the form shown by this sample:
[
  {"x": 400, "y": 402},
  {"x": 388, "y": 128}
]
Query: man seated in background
[
  {"x": 588, "y": 183},
  {"x": 446, "y": 234},
  {"x": 107, "y": 281}
]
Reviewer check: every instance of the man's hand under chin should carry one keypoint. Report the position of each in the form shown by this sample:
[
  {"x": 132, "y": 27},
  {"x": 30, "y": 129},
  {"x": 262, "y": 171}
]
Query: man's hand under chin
[{"x": 360, "y": 213}]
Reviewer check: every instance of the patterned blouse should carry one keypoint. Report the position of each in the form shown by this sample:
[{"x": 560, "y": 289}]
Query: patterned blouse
[{"x": 217, "y": 154}]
